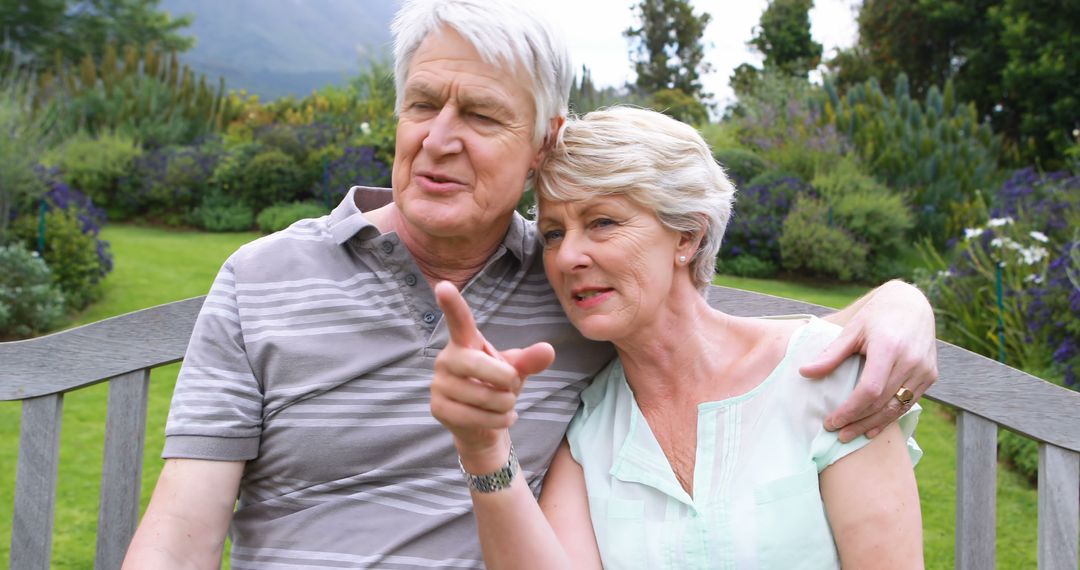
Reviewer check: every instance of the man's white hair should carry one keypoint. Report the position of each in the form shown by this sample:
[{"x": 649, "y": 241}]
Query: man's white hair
[
  {"x": 654, "y": 161},
  {"x": 505, "y": 33}
]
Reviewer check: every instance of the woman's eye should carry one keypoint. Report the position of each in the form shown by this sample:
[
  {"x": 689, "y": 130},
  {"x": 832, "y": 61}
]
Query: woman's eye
[
  {"x": 551, "y": 236},
  {"x": 603, "y": 223}
]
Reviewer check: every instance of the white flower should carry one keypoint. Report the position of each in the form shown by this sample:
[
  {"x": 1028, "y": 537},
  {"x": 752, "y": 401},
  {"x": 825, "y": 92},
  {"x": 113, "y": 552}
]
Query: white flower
[
  {"x": 1034, "y": 278},
  {"x": 365, "y": 128},
  {"x": 971, "y": 233},
  {"x": 998, "y": 222},
  {"x": 1039, "y": 236},
  {"x": 35, "y": 254},
  {"x": 996, "y": 242},
  {"x": 944, "y": 273},
  {"x": 1033, "y": 255}
]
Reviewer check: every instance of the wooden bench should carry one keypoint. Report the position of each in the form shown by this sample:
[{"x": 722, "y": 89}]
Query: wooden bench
[
  {"x": 123, "y": 349},
  {"x": 40, "y": 371}
]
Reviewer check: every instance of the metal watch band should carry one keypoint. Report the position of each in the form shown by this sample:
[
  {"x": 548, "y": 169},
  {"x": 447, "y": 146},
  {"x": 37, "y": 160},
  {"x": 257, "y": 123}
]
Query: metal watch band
[{"x": 496, "y": 480}]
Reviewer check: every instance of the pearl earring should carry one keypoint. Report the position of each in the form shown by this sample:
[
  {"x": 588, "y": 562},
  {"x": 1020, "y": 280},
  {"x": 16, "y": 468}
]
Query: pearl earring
[{"x": 682, "y": 259}]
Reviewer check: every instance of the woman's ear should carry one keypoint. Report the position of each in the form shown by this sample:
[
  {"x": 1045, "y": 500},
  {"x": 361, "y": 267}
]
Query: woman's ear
[{"x": 690, "y": 242}]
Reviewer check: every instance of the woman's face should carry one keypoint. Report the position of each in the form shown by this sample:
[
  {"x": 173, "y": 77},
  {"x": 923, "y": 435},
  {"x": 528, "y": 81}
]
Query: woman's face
[
  {"x": 610, "y": 261},
  {"x": 464, "y": 141}
]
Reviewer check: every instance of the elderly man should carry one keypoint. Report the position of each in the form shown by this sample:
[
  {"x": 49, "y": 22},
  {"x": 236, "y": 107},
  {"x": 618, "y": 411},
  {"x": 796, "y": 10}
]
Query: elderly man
[{"x": 305, "y": 388}]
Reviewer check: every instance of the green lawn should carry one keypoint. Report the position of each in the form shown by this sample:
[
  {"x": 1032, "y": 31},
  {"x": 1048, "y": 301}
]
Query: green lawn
[{"x": 155, "y": 266}]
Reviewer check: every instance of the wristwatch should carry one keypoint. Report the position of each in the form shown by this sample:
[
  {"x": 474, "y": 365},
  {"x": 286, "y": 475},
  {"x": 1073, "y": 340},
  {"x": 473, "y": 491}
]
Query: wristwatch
[{"x": 496, "y": 480}]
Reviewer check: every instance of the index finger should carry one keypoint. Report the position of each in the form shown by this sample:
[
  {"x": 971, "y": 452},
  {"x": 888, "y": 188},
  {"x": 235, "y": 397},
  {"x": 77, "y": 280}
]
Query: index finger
[{"x": 459, "y": 319}]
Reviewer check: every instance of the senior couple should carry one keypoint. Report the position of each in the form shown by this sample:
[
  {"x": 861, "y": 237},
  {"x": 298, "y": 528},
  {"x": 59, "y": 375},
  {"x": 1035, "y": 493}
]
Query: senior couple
[{"x": 304, "y": 418}]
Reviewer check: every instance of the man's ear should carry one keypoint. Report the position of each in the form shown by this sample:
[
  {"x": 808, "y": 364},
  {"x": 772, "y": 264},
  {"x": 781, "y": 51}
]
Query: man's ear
[{"x": 554, "y": 126}]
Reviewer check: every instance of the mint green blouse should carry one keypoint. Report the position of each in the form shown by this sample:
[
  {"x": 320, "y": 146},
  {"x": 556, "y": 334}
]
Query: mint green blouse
[{"x": 756, "y": 500}]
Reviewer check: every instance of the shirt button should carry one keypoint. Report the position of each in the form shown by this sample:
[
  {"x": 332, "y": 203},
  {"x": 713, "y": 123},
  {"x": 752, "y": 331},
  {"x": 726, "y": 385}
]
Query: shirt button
[
  {"x": 387, "y": 247},
  {"x": 429, "y": 317},
  {"x": 410, "y": 280}
]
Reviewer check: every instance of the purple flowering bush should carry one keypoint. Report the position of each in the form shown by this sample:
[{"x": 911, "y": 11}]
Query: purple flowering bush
[
  {"x": 1030, "y": 235},
  {"x": 355, "y": 166},
  {"x": 169, "y": 182},
  {"x": 751, "y": 245},
  {"x": 77, "y": 258}
]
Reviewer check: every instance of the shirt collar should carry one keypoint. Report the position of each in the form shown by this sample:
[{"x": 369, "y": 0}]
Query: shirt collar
[{"x": 346, "y": 221}]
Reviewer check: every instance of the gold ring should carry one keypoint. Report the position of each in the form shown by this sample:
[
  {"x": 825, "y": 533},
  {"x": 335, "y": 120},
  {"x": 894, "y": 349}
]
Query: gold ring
[{"x": 904, "y": 396}]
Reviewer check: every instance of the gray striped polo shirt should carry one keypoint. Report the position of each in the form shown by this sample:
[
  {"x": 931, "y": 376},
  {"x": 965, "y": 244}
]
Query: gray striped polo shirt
[{"x": 311, "y": 360}]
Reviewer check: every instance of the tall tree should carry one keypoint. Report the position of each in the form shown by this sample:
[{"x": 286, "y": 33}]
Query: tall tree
[
  {"x": 32, "y": 32},
  {"x": 1017, "y": 60},
  {"x": 783, "y": 37},
  {"x": 666, "y": 46}
]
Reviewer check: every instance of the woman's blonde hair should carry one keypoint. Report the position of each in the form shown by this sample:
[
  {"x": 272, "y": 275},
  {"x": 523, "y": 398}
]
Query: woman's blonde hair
[{"x": 655, "y": 161}]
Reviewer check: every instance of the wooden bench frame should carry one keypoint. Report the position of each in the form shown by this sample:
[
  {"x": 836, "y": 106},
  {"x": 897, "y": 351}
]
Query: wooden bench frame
[{"x": 123, "y": 349}]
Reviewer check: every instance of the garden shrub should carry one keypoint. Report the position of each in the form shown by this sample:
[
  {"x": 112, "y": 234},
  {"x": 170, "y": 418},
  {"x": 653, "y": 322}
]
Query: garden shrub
[
  {"x": 221, "y": 213},
  {"x": 680, "y": 105},
  {"x": 746, "y": 265},
  {"x": 77, "y": 257},
  {"x": 1030, "y": 237},
  {"x": 881, "y": 222},
  {"x": 280, "y": 216},
  {"x": 96, "y": 165},
  {"x": 258, "y": 177},
  {"x": 741, "y": 165},
  {"x": 781, "y": 119},
  {"x": 297, "y": 141},
  {"x": 846, "y": 177},
  {"x": 811, "y": 245},
  {"x": 70, "y": 253},
  {"x": 356, "y": 166},
  {"x": 169, "y": 182},
  {"x": 758, "y": 217},
  {"x": 935, "y": 151},
  {"x": 29, "y": 302}
]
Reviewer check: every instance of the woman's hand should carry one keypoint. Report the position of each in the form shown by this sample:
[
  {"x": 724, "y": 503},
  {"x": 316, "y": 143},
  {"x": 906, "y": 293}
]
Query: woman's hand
[
  {"x": 893, "y": 327},
  {"x": 475, "y": 387}
]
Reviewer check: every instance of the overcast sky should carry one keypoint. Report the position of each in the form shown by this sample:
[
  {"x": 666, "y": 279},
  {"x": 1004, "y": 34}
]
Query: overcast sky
[{"x": 594, "y": 29}]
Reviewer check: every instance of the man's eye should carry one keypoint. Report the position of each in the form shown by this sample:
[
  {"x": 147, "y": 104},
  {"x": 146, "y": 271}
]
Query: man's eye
[{"x": 482, "y": 117}]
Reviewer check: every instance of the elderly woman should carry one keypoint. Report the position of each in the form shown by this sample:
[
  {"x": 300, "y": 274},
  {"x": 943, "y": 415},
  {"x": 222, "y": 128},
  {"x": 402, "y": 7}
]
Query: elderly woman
[
  {"x": 304, "y": 389},
  {"x": 700, "y": 446}
]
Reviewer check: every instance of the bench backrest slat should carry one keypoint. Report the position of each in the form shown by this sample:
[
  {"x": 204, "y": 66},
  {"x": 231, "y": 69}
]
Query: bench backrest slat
[
  {"x": 123, "y": 349},
  {"x": 82, "y": 356},
  {"x": 976, "y": 491},
  {"x": 35, "y": 482},
  {"x": 1059, "y": 508},
  {"x": 121, "y": 478}
]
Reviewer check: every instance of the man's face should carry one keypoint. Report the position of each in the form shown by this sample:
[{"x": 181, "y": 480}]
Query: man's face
[{"x": 464, "y": 142}]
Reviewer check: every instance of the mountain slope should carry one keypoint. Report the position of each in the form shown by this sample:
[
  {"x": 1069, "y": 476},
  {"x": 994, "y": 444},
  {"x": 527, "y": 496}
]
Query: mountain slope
[{"x": 284, "y": 47}]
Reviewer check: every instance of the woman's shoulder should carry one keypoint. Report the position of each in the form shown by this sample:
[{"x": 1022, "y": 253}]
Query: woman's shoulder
[{"x": 608, "y": 381}]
